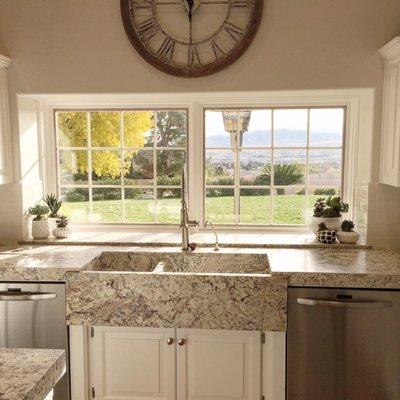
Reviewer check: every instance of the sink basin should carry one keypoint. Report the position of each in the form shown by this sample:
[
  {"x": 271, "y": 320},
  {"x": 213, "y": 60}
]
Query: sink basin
[{"x": 180, "y": 262}]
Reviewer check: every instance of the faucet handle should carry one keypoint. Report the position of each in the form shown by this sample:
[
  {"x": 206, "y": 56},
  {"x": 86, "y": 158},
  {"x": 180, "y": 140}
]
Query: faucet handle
[{"x": 192, "y": 246}]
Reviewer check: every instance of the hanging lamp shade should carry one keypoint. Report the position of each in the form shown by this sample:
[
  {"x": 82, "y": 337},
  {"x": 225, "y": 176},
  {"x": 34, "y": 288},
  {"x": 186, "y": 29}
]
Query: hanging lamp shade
[{"x": 236, "y": 122}]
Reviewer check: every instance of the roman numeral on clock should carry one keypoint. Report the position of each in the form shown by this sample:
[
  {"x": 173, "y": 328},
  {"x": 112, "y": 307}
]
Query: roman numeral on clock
[
  {"x": 166, "y": 50},
  {"x": 147, "y": 29},
  {"x": 218, "y": 52},
  {"x": 193, "y": 56},
  {"x": 241, "y": 3},
  {"x": 140, "y": 4},
  {"x": 234, "y": 31}
]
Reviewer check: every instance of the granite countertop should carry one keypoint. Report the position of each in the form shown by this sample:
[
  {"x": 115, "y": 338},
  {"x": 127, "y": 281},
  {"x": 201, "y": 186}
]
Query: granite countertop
[
  {"x": 52, "y": 263},
  {"x": 29, "y": 374},
  {"x": 330, "y": 267},
  {"x": 43, "y": 263},
  {"x": 300, "y": 239}
]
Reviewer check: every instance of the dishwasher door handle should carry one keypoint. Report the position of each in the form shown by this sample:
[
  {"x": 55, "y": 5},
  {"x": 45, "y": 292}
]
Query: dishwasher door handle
[
  {"x": 345, "y": 304},
  {"x": 25, "y": 296}
]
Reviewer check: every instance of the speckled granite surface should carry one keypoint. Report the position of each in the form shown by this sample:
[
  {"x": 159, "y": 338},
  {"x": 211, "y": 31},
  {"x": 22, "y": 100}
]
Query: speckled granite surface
[
  {"x": 29, "y": 374},
  {"x": 232, "y": 289},
  {"x": 301, "y": 239},
  {"x": 330, "y": 267},
  {"x": 43, "y": 263},
  {"x": 203, "y": 260},
  {"x": 185, "y": 300}
]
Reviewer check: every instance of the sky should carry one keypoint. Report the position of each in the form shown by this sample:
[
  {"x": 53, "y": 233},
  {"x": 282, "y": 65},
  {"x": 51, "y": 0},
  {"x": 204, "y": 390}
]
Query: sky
[{"x": 322, "y": 119}]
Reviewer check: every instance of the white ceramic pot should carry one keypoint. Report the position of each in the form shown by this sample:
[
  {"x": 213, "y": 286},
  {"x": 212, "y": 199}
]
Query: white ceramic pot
[
  {"x": 52, "y": 223},
  {"x": 331, "y": 223},
  {"x": 40, "y": 229},
  {"x": 61, "y": 233},
  {"x": 348, "y": 237}
]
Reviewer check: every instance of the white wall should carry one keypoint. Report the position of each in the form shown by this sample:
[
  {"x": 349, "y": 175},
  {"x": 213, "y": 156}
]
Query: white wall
[{"x": 75, "y": 46}]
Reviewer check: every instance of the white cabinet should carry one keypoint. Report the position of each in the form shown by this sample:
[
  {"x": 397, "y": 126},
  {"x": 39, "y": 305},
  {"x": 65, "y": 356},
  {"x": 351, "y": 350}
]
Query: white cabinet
[
  {"x": 183, "y": 364},
  {"x": 133, "y": 363},
  {"x": 390, "y": 143},
  {"x": 215, "y": 364}
]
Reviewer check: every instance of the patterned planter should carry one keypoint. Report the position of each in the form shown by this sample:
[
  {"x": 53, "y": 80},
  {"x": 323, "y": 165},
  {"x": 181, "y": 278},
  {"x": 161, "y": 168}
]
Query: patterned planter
[
  {"x": 331, "y": 223},
  {"x": 348, "y": 237},
  {"x": 327, "y": 236},
  {"x": 40, "y": 229},
  {"x": 61, "y": 232}
]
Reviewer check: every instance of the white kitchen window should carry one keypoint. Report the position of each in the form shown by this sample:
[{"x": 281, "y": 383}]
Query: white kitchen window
[
  {"x": 238, "y": 181},
  {"x": 121, "y": 166},
  {"x": 268, "y": 166}
]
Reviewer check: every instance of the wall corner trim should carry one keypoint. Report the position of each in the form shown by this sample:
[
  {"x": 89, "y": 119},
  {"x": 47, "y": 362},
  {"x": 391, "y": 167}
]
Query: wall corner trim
[
  {"x": 4, "y": 61},
  {"x": 391, "y": 50}
]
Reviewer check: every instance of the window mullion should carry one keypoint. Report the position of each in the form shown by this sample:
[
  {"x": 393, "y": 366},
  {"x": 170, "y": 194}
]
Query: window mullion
[
  {"x": 89, "y": 160},
  {"x": 306, "y": 179},
  {"x": 236, "y": 192},
  {"x": 272, "y": 168},
  {"x": 155, "y": 202},
  {"x": 122, "y": 155}
]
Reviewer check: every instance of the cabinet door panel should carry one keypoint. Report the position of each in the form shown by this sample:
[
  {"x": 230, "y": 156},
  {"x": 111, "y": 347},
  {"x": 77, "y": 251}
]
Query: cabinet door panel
[
  {"x": 132, "y": 363},
  {"x": 223, "y": 365}
]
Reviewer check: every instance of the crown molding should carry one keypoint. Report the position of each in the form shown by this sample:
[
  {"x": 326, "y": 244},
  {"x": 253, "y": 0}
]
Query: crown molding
[
  {"x": 4, "y": 61},
  {"x": 391, "y": 50}
]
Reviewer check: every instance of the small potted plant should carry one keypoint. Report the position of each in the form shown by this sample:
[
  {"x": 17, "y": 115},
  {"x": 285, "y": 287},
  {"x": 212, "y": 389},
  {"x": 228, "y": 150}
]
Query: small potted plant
[
  {"x": 347, "y": 234},
  {"x": 329, "y": 212},
  {"x": 62, "y": 230},
  {"x": 40, "y": 224},
  {"x": 54, "y": 205},
  {"x": 325, "y": 235}
]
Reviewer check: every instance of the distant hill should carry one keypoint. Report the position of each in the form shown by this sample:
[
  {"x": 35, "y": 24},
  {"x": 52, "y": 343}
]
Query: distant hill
[{"x": 283, "y": 137}]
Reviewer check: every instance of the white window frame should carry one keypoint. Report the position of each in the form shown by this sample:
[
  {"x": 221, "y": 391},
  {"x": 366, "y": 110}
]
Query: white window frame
[
  {"x": 272, "y": 148},
  {"x": 5, "y": 133},
  {"x": 359, "y": 105},
  {"x": 122, "y": 148}
]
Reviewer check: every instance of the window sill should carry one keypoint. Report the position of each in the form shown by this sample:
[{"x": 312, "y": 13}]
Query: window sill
[{"x": 249, "y": 240}]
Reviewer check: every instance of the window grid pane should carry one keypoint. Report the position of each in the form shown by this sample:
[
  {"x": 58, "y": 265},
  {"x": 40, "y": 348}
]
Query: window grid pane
[
  {"x": 117, "y": 182},
  {"x": 298, "y": 166}
]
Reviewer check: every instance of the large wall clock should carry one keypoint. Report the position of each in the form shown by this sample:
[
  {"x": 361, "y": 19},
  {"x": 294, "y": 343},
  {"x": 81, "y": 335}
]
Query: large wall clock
[{"x": 191, "y": 38}]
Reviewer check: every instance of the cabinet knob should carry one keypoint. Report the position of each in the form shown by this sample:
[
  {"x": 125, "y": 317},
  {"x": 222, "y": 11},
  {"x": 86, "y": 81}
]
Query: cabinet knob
[
  {"x": 181, "y": 342},
  {"x": 170, "y": 341}
]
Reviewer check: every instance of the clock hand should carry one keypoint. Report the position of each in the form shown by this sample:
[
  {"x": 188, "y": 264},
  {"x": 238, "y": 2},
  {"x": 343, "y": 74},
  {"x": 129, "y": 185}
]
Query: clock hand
[{"x": 191, "y": 5}]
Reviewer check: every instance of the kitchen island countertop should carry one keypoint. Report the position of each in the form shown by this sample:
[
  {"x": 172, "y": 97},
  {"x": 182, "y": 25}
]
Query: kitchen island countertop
[{"x": 29, "y": 374}]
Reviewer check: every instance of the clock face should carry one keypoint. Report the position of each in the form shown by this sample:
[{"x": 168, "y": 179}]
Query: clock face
[{"x": 191, "y": 38}]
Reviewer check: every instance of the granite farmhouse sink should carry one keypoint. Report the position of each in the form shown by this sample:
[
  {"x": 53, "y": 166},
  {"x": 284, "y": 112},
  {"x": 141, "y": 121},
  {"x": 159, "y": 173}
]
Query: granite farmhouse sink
[
  {"x": 174, "y": 261},
  {"x": 169, "y": 288}
]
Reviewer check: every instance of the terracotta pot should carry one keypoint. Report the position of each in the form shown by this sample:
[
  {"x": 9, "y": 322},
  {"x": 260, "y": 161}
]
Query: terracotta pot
[
  {"x": 331, "y": 223},
  {"x": 348, "y": 237},
  {"x": 40, "y": 229}
]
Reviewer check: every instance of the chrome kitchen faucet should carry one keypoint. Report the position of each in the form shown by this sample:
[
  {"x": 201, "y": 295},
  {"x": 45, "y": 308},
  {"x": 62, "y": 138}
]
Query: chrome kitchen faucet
[{"x": 186, "y": 222}]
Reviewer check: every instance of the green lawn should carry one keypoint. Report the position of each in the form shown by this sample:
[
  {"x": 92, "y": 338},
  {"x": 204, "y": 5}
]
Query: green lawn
[{"x": 288, "y": 209}]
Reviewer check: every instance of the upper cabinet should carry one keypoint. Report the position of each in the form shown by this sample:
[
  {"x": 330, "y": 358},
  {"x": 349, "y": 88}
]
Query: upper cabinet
[
  {"x": 390, "y": 145},
  {"x": 5, "y": 140}
]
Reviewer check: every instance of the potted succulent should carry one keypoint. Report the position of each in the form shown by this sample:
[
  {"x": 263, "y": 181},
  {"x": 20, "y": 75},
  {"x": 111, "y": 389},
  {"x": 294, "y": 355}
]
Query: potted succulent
[
  {"x": 62, "y": 230},
  {"x": 40, "y": 224},
  {"x": 54, "y": 205},
  {"x": 329, "y": 212},
  {"x": 347, "y": 234},
  {"x": 325, "y": 235}
]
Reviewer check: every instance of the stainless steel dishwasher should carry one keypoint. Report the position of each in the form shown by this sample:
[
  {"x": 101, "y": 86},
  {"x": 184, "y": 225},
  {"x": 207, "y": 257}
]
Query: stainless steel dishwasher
[
  {"x": 343, "y": 344},
  {"x": 33, "y": 316}
]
